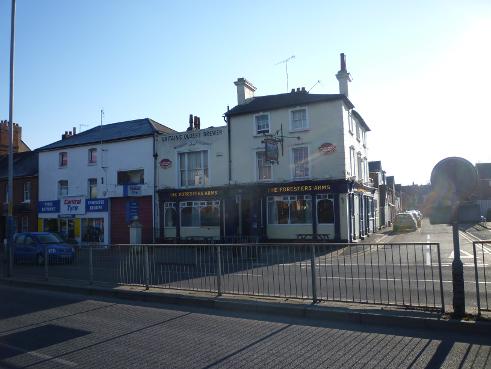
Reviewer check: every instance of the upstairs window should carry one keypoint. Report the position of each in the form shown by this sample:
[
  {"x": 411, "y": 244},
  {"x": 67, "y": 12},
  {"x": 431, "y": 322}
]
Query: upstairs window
[
  {"x": 131, "y": 177},
  {"x": 92, "y": 188},
  {"x": 193, "y": 168},
  {"x": 63, "y": 159},
  {"x": 300, "y": 162},
  {"x": 92, "y": 156},
  {"x": 261, "y": 123},
  {"x": 351, "y": 122},
  {"x": 357, "y": 131},
  {"x": 264, "y": 168},
  {"x": 298, "y": 120},
  {"x": 62, "y": 188},
  {"x": 27, "y": 191}
]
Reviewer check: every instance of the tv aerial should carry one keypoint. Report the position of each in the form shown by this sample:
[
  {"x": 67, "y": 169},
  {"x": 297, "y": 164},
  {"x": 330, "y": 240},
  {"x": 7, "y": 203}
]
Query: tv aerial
[{"x": 286, "y": 67}]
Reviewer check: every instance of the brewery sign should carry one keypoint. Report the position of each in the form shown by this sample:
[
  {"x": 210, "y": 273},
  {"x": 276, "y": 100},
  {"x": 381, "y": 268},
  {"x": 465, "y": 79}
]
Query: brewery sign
[{"x": 327, "y": 148}]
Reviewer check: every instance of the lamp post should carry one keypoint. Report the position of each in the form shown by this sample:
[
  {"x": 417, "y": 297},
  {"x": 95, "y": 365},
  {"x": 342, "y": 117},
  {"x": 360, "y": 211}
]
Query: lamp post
[{"x": 10, "y": 219}]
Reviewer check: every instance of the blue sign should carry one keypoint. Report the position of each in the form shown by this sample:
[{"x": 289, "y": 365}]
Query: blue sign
[
  {"x": 132, "y": 208},
  {"x": 49, "y": 206},
  {"x": 95, "y": 205}
]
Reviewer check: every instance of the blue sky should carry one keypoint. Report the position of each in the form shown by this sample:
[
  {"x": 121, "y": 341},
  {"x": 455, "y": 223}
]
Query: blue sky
[{"x": 420, "y": 68}]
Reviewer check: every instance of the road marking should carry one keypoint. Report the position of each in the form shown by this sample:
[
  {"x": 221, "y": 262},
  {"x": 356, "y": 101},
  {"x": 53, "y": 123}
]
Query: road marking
[
  {"x": 39, "y": 355},
  {"x": 402, "y": 280},
  {"x": 463, "y": 255},
  {"x": 381, "y": 238}
]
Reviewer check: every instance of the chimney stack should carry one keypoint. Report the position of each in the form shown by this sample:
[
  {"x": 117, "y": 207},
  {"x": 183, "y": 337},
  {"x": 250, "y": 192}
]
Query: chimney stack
[
  {"x": 343, "y": 76},
  {"x": 190, "y": 128},
  {"x": 245, "y": 90}
]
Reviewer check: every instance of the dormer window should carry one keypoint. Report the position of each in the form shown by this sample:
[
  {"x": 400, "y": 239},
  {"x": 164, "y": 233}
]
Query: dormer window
[
  {"x": 92, "y": 156},
  {"x": 261, "y": 123},
  {"x": 63, "y": 159}
]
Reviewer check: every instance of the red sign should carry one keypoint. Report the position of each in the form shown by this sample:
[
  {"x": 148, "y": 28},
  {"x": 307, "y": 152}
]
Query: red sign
[
  {"x": 327, "y": 148},
  {"x": 165, "y": 163}
]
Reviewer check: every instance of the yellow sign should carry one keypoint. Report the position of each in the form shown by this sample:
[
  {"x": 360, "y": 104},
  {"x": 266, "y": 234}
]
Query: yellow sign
[
  {"x": 193, "y": 193},
  {"x": 302, "y": 188}
]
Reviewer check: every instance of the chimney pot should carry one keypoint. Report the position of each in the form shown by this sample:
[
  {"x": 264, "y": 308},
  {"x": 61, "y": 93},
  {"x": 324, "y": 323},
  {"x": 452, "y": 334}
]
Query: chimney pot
[
  {"x": 293, "y": 90},
  {"x": 74, "y": 130}
]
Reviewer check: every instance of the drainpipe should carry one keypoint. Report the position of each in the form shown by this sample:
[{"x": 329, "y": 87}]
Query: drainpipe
[
  {"x": 229, "y": 139},
  {"x": 154, "y": 196}
]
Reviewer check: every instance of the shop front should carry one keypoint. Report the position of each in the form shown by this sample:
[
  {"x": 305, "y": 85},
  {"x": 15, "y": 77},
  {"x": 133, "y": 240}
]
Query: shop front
[{"x": 75, "y": 218}]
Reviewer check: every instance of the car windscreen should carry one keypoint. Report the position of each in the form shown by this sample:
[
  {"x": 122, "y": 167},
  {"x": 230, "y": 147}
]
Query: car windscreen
[
  {"x": 405, "y": 219},
  {"x": 48, "y": 238}
]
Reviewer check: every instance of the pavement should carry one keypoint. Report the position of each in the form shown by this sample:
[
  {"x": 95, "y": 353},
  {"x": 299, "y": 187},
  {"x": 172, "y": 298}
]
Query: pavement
[{"x": 52, "y": 329}]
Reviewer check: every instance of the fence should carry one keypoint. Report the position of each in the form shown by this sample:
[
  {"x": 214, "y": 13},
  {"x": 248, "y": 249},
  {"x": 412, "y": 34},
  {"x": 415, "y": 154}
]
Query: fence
[
  {"x": 403, "y": 274},
  {"x": 482, "y": 257}
]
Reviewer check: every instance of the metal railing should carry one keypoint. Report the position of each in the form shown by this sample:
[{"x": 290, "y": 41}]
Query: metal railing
[
  {"x": 402, "y": 274},
  {"x": 482, "y": 258}
]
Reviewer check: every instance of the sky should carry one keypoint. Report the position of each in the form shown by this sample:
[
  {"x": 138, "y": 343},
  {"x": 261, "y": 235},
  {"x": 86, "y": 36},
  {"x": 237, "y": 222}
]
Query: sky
[{"x": 421, "y": 69}]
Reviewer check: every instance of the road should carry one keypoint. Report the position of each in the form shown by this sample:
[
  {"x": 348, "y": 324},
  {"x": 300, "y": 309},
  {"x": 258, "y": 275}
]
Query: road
[
  {"x": 41, "y": 329},
  {"x": 376, "y": 271}
]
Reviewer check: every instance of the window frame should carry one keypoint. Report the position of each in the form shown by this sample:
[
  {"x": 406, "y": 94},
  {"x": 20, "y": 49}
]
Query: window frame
[
  {"x": 60, "y": 187},
  {"x": 292, "y": 162},
  {"x": 90, "y": 158},
  {"x": 289, "y": 200},
  {"x": 199, "y": 205},
  {"x": 141, "y": 181},
  {"x": 205, "y": 170},
  {"x": 256, "y": 166},
  {"x": 63, "y": 159},
  {"x": 256, "y": 132},
  {"x": 27, "y": 190},
  {"x": 307, "y": 121},
  {"x": 90, "y": 186}
]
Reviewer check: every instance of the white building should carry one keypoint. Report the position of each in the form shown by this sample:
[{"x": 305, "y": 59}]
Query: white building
[{"x": 94, "y": 183}]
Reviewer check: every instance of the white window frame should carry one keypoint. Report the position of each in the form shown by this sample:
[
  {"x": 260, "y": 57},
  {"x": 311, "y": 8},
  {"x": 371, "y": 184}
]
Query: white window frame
[
  {"x": 256, "y": 168},
  {"x": 170, "y": 205},
  {"x": 254, "y": 125},
  {"x": 89, "y": 156},
  {"x": 358, "y": 129},
  {"x": 206, "y": 179},
  {"x": 307, "y": 122},
  {"x": 350, "y": 123},
  {"x": 288, "y": 199},
  {"x": 27, "y": 190},
  {"x": 352, "y": 159},
  {"x": 199, "y": 204},
  {"x": 292, "y": 162},
  {"x": 60, "y": 195},
  {"x": 89, "y": 187},
  {"x": 359, "y": 165}
]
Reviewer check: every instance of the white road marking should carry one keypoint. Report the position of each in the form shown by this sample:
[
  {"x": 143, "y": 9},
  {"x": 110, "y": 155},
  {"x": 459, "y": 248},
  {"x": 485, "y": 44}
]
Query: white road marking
[
  {"x": 381, "y": 238},
  {"x": 39, "y": 355},
  {"x": 463, "y": 255},
  {"x": 403, "y": 280}
]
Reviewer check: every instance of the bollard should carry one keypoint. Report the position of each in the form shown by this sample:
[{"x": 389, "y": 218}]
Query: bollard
[
  {"x": 219, "y": 271},
  {"x": 147, "y": 268},
  {"x": 91, "y": 266},
  {"x": 314, "y": 283},
  {"x": 457, "y": 275}
]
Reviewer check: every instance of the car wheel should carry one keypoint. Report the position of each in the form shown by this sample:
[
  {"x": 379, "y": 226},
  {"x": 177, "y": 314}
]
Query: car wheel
[{"x": 40, "y": 259}]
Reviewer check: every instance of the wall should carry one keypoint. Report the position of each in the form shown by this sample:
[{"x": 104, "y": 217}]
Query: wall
[{"x": 119, "y": 225}]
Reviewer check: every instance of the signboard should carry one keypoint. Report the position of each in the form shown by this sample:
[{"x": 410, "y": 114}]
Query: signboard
[
  {"x": 327, "y": 148},
  {"x": 49, "y": 207},
  {"x": 132, "y": 190},
  {"x": 192, "y": 135},
  {"x": 96, "y": 205},
  {"x": 271, "y": 151},
  {"x": 165, "y": 163},
  {"x": 132, "y": 210},
  {"x": 197, "y": 193},
  {"x": 72, "y": 205}
]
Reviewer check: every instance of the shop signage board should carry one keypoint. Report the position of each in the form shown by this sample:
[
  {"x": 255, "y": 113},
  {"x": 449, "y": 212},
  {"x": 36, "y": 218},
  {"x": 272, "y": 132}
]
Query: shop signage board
[
  {"x": 49, "y": 207},
  {"x": 96, "y": 205},
  {"x": 327, "y": 148},
  {"x": 166, "y": 163},
  {"x": 72, "y": 205},
  {"x": 132, "y": 190}
]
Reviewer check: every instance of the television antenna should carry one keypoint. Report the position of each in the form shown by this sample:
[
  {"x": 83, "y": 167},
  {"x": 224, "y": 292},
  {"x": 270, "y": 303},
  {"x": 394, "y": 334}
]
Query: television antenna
[
  {"x": 286, "y": 67},
  {"x": 80, "y": 126},
  {"x": 318, "y": 81}
]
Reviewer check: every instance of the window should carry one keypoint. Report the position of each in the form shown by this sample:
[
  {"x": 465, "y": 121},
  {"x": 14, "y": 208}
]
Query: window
[
  {"x": 298, "y": 119},
  {"x": 290, "y": 209},
  {"x": 62, "y": 188},
  {"x": 325, "y": 209},
  {"x": 200, "y": 213},
  {"x": 350, "y": 123},
  {"x": 300, "y": 162},
  {"x": 193, "y": 168},
  {"x": 170, "y": 214},
  {"x": 131, "y": 177},
  {"x": 93, "y": 230},
  {"x": 262, "y": 123},
  {"x": 357, "y": 131},
  {"x": 352, "y": 161},
  {"x": 364, "y": 135},
  {"x": 92, "y": 188},
  {"x": 63, "y": 159},
  {"x": 92, "y": 156},
  {"x": 264, "y": 168},
  {"x": 27, "y": 191},
  {"x": 359, "y": 166}
]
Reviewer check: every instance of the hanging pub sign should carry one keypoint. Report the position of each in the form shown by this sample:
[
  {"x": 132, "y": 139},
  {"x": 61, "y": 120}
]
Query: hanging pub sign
[
  {"x": 271, "y": 151},
  {"x": 165, "y": 163},
  {"x": 327, "y": 148}
]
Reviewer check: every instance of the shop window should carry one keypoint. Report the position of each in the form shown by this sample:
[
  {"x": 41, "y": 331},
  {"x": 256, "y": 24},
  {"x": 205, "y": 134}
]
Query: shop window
[
  {"x": 92, "y": 156},
  {"x": 290, "y": 209},
  {"x": 170, "y": 214},
  {"x": 131, "y": 177},
  {"x": 62, "y": 188},
  {"x": 300, "y": 162},
  {"x": 67, "y": 229},
  {"x": 92, "y": 188},
  {"x": 200, "y": 213},
  {"x": 63, "y": 159},
  {"x": 27, "y": 191},
  {"x": 264, "y": 168},
  {"x": 93, "y": 230},
  {"x": 193, "y": 168},
  {"x": 325, "y": 209},
  {"x": 50, "y": 225}
]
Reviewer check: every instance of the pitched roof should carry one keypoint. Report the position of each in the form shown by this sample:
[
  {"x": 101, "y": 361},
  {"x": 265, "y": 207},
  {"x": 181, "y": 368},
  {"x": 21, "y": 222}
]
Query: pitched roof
[
  {"x": 112, "y": 132},
  {"x": 271, "y": 102},
  {"x": 360, "y": 120},
  {"x": 25, "y": 164}
]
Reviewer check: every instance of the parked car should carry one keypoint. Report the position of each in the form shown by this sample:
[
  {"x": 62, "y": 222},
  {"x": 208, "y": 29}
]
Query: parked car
[
  {"x": 31, "y": 246},
  {"x": 417, "y": 216},
  {"x": 405, "y": 222}
]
